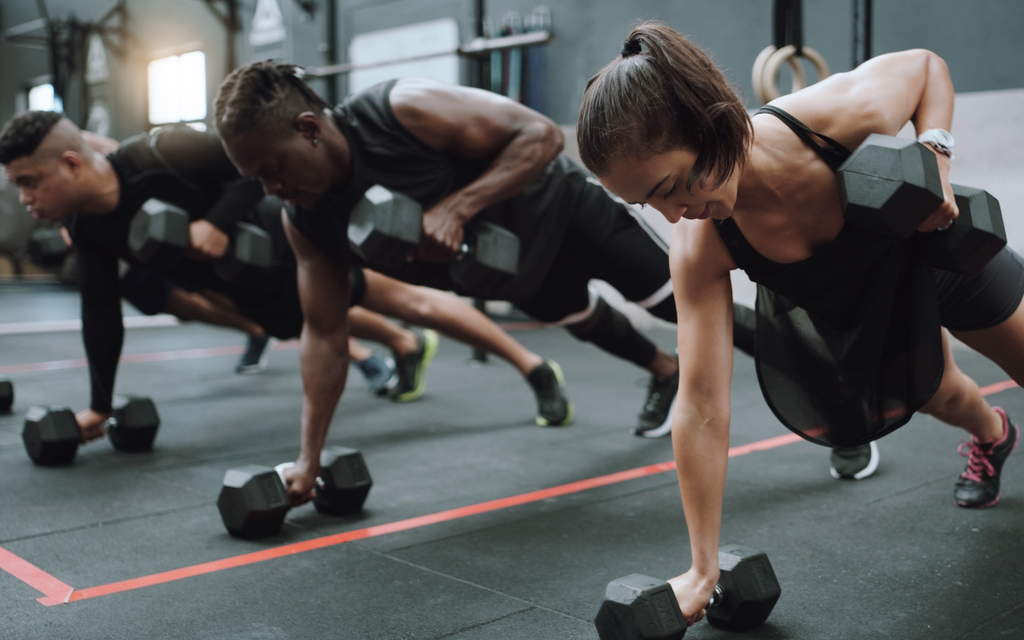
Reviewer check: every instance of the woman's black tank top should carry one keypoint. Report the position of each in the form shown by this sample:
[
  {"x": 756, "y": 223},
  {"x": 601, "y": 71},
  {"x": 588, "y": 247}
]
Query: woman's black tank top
[{"x": 848, "y": 340}]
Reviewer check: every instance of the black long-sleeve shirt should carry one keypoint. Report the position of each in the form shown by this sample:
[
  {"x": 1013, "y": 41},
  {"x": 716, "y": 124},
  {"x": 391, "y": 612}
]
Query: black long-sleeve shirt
[{"x": 178, "y": 165}]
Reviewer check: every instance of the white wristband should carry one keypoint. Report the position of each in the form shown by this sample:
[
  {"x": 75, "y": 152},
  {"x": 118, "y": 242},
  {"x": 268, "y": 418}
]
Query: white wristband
[{"x": 940, "y": 140}]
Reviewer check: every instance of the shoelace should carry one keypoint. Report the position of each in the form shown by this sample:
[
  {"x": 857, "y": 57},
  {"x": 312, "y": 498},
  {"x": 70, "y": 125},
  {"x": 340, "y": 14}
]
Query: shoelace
[{"x": 978, "y": 466}]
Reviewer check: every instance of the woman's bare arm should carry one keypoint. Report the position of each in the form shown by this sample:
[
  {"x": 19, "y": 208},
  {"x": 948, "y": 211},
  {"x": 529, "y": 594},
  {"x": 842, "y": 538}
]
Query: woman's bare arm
[{"x": 700, "y": 423}]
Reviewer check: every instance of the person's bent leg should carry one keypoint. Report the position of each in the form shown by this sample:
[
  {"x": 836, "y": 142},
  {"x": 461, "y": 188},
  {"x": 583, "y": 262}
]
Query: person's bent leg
[
  {"x": 993, "y": 436},
  {"x": 378, "y": 372},
  {"x": 214, "y": 308},
  {"x": 449, "y": 315}
]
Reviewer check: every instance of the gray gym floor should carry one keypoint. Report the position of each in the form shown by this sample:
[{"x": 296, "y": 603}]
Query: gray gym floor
[{"x": 886, "y": 557}]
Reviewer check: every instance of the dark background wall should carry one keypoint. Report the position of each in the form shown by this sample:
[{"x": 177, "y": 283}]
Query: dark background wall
[{"x": 980, "y": 40}]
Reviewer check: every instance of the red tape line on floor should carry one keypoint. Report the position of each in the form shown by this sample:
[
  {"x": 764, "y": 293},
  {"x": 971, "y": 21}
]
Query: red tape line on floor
[
  {"x": 190, "y": 354},
  {"x": 157, "y": 356},
  {"x": 56, "y": 592}
]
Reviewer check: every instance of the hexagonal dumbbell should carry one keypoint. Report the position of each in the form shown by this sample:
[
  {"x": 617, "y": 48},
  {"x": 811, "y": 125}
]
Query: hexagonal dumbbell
[
  {"x": 251, "y": 503},
  {"x": 6, "y": 395},
  {"x": 638, "y": 607},
  {"x": 51, "y": 435},
  {"x": 133, "y": 424},
  {"x": 385, "y": 227},
  {"x": 158, "y": 235},
  {"x": 345, "y": 481},
  {"x": 890, "y": 185},
  {"x": 973, "y": 239},
  {"x": 489, "y": 253},
  {"x": 249, "y": 257}
]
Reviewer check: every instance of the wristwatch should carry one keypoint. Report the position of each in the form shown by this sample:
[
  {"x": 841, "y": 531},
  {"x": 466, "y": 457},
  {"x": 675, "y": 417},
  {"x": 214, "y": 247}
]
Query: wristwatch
[{"x": 940, "y": 139}]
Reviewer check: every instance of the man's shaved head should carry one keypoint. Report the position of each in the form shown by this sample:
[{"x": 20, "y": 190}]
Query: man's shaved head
[{"x": 43, "y": 134}]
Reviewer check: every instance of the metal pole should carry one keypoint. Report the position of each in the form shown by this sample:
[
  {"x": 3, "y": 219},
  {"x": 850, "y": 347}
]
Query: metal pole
[
  {"x": 476, "y": 71},
  {"x": 331, "y": 81}
]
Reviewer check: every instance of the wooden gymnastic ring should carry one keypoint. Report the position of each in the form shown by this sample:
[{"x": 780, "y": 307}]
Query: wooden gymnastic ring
[
  {"x": 788, "y": 53},
  {"x": 758, "y": 76}
]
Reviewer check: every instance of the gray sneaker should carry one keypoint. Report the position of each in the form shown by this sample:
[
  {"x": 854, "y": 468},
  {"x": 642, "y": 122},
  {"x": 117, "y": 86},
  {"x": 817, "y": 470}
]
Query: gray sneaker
[
  {"x": 553, "y": 406},
  {"x": 257, "y": 352},
  {"x": 656, "y": 418},
  {"x": 854, "y": 463}
]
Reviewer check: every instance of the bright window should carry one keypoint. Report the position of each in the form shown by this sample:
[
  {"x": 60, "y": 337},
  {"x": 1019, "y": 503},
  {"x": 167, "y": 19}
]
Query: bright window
[
  {"x": 177, "y": 88},
  {"x": 41, "y": 98}
]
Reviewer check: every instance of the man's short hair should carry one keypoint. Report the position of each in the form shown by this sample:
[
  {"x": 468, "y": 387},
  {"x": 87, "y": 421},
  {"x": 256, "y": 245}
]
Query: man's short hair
[{"x": 24, "y": 132}]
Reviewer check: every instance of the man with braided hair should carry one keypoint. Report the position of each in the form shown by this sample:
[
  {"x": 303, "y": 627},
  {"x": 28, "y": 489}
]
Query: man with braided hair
[
  {"x": 61, "y": 178},
  {"x": 462, "y": 154}
]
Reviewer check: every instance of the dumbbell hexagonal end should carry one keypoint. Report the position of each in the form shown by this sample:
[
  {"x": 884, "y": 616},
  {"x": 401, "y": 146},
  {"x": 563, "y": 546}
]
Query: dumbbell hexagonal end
[
  {"x": 252, "y": 502},
  {"x": 974, "y": 239},
  {"x": 134, "y": 424},
  {"x": 51, "y": 435},
  {"x": 6, "y": 395},
  {"x": 750, "y": 589},
  {"x": 385, "y": 227},
  {"x": 889, "y": 185},
  {"x": 638, "y": 607},
  {"x": 158, "y": 235},
  {"x": 346, "y": 481}
]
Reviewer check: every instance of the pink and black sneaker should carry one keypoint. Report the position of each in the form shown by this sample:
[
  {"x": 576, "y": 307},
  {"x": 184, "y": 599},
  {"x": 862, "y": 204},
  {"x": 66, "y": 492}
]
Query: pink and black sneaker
[{"x": 978, "y": 485}]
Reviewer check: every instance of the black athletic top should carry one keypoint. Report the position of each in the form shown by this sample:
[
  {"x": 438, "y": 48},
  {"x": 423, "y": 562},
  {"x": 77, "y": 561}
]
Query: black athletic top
[
  {"x": 384, "y": 152},
  {"x": 848, "y": 340},
  {"x": 178, "y": 165}
]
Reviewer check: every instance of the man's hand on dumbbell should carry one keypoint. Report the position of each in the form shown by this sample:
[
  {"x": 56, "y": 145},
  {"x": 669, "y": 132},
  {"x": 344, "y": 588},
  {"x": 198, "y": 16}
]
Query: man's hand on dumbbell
[
  {"x": 442, "y": 234},
  {"x": 300, "y": 479},
  {"x": 92, "y": 424},
  {"x": 206, "y": 241}
]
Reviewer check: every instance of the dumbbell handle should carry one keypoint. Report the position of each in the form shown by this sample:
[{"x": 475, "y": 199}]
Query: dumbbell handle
[
  {"x": 717, "y": 596},
  {"x": 285, "y": 465}
]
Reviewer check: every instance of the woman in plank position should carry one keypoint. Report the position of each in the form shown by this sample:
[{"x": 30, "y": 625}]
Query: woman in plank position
[{"x": 852, "y": 326}]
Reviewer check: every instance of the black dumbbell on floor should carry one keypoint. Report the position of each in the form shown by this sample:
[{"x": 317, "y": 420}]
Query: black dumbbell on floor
[
  {"x": 386, "y": 226},
  {"x": 638, "y": 607},
  {"x": 51, "y": 434},
  {"x": 6, "y": 395},
  {"x": 253, "y": 500},
  {"x": 892, "y": 185}
]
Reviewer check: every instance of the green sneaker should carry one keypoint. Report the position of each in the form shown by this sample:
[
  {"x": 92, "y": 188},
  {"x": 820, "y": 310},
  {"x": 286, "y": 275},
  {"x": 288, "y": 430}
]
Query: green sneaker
[
  {"x": 411, "y": 382},
  {"x": 548, "y": 383}
]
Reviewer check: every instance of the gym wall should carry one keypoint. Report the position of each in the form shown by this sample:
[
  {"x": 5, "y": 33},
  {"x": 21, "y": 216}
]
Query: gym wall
[{"x": 980, "y": 39}]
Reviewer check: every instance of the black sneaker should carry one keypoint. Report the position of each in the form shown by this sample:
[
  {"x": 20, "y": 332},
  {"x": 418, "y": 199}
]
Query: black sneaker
[
  {"x": 553, "y": 407},
  {"x": 411, "y": 383},
  {"x": 854, "y": 463},
  {"x": 978, "y": 485},
  {"x": 379, "y": 373},
  {"x": 656, "y": 417},
  {"x": 257, "y": 352}
]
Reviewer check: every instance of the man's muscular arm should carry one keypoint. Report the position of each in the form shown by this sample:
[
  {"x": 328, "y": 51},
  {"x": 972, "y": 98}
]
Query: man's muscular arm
[
  {"x": 515, "y": 142},
  {"x": 324, "y": 295}
]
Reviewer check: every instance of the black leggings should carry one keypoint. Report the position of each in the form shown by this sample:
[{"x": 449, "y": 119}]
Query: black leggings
[
  {"x": 981, "y": 301},
  {"x": 604, "y": 242}
]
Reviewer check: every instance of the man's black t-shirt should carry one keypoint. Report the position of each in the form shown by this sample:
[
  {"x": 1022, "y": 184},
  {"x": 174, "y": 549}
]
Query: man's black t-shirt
[
  {"x": 176, "y": 164},
  {"x": 384, "y": 152}
]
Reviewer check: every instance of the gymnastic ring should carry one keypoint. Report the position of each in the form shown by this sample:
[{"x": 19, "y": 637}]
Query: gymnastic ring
[
  {"x": 757, "y": 77},
  {"x": 788, "y": 53}
]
